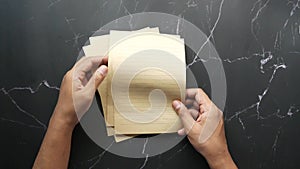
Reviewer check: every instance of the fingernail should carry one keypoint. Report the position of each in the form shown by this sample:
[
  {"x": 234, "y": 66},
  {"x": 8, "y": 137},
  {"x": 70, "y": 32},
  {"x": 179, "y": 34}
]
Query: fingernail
[
  {"x": 176, "y": 104},
  {"x": 102, "y": 70}
]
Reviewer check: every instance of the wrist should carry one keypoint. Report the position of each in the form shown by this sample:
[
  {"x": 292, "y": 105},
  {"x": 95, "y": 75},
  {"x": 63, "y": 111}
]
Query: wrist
[
  {"x": 222, "y": 160},
  {"x": 63, "y": 121},
  {"x": 57, "y": 124}
]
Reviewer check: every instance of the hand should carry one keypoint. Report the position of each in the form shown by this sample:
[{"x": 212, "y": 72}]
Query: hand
[
  {"x": 78, "y": 89},
  {"x": 204, "y": 127},
  {"x": 76, "y": 94}
]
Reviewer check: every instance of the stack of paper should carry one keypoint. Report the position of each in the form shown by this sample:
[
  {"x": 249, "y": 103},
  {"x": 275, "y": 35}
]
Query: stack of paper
[{"x": 146, "y": 72}]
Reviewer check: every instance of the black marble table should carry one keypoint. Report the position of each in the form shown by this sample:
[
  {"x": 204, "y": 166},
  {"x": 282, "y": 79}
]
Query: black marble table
[{"x": 258, "y": 42}]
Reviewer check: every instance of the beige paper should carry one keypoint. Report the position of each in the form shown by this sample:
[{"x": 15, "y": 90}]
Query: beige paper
[
  {"x": 99, "y": 46},
  {"x": 118, "y": 36},
  {"x": 172, "y": 84},
  {"x": 115, "y": 37}
]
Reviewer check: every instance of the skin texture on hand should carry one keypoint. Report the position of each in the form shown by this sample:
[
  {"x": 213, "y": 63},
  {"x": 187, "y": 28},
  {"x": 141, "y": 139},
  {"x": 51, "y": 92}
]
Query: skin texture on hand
[
  {"x": 78, "y": 88},
  {"x": 214, "y": 149},
  {"x": 76, "y": 94}
]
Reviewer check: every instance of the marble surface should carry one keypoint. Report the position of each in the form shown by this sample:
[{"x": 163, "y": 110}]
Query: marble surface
[{"x": 257, "y": 40}]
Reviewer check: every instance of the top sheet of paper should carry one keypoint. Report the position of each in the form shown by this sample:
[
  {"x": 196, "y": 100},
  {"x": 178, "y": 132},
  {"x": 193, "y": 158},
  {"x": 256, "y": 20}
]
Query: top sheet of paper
[
  {"x": 114, "y": 37},
  {"x": 154, "y": 65}
]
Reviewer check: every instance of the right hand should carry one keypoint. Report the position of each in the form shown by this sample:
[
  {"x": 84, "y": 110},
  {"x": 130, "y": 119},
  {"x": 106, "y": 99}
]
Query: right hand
[{"x": 214, "y": 148}]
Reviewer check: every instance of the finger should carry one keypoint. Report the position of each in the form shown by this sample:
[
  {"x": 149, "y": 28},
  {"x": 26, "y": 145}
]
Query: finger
[
  {"x": 191, "y": 93},
  {"x": 97, "y": 77},
  {"x": 203, "y": 108},
  {"x": 194, "y": 113},
  {"x": 195, "y": 106},
  {"x": 181, "y": 132},
  {"x": 185, "y": 116},
  {"x": 201, "y": 117},
  {"x": 105, "y": 60},
  {"x": 189, "y": 102},
  {"x": 198, "y": 94},
  {"x": 192, "y": 105},
  {"x": 89, "y": 64}
]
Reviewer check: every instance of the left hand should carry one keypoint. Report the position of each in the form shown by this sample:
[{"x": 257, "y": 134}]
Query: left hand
[{"x": 78, "y": 89}]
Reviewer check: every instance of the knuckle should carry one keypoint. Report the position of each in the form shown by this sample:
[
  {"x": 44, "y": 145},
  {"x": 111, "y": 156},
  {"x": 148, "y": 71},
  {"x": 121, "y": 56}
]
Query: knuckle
[
  {"x": 89, "y": 64},
  {"x": 200, "y": 91},
  {"x": 68, "y": 75}
]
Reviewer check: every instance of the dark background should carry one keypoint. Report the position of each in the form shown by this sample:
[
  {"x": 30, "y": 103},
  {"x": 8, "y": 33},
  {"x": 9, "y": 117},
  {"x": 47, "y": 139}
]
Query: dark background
[{"x": 258, "y": 41}]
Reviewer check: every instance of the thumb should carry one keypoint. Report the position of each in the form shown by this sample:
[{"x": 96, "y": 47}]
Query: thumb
[
  {"x": 185, "y": 116},
  {"x": 97, "y": 77}
]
